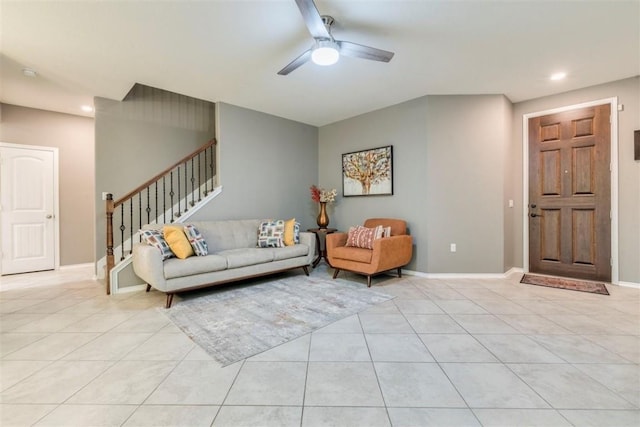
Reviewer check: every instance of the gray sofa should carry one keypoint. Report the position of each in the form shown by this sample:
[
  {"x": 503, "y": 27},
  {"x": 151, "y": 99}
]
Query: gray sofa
[{"x": 233, "y": 255}]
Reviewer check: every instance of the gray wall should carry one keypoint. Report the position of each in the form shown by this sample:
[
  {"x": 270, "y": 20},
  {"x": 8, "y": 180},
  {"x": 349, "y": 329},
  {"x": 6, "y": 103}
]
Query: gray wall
[
  {"x": 74, "y": 138},
  {"x": 267, "y": 165},
  {"x": 457, "y": 163},
  {"x": 449, "y": 177},
  {"x": 466, "y": 141},
  {"x": 405, "y": 127},
  {"x": 141, "y": 136},
  {"x": 628, "y": 93}
]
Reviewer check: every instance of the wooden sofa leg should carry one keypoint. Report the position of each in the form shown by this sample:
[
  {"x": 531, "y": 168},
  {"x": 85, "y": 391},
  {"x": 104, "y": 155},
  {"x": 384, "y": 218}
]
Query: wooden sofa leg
[
  {"x": 148, "y": 287},
  {"x": 306, "y": 270},
  {"x": 169, "y": 301},
  {"x": 335, "y": 272},
  {"x": 368, "y": 281},
  {"x": 399, "y": 272}
]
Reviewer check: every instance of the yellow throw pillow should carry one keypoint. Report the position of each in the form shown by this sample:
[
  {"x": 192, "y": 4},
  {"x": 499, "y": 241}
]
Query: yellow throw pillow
[
  {"x": 289, "y": 232},
  {"x": 177, "y": 240}
]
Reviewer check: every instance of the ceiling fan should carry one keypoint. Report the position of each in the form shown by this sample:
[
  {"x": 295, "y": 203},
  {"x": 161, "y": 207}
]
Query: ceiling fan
[{"x": 326, "y": 50}]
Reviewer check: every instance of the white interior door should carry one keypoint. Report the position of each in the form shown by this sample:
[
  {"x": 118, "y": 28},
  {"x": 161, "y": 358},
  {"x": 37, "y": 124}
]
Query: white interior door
[{"x": 27, "y": 208}]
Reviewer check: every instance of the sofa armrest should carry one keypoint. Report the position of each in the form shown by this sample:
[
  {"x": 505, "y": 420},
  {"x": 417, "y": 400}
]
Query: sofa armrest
[
  {"x": 148, "y": 265},
  {"x": 309, "y": 239},
  {"x": 392, "y": 252}
]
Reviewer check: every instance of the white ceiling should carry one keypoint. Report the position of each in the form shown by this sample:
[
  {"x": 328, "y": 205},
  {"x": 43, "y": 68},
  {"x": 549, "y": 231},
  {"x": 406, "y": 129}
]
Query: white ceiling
[{"x": 230, "y": 51}]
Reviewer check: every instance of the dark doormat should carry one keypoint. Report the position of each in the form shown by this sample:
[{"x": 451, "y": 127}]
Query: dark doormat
[{"x": 564, "y": 283}]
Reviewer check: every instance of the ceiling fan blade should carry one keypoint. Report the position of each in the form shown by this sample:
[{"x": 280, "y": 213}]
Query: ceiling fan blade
[
  {"x": 360, "y": 51},
  {"x": 300, "y": 60},
  {"x": 312, "y": 19}
]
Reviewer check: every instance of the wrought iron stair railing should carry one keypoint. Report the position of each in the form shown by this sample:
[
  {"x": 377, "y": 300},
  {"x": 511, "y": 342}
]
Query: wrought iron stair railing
[{"x": 162, "y": 199}]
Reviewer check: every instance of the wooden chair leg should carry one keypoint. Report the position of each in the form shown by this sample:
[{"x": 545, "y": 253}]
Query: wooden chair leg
[
  {"x": 169, "y": 301},
  {"x": 368, "y": 281},
  {"x": 335, "y": 272},
  {"x": 399, "y": 272},
  {"x": 306, "y": 270},
  {"x": 148, "y": 287}
]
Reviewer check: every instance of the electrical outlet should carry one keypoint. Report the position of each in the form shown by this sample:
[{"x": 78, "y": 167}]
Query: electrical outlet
[{"x": 453, "y": 247}]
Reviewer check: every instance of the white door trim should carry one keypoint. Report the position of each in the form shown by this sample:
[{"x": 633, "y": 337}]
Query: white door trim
[
  {"x": 56, "y": 199},
  {"x": 614, "y": 179}
]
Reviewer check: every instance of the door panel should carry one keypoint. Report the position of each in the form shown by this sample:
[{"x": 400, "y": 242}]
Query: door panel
[
  {"x": 551, "y": 182},
  {"x": 570, "y": 194},
  {"x": 27, "y": 216},
  {"x": 584, "y": 240},
  {"x": 550, "y": 235}
]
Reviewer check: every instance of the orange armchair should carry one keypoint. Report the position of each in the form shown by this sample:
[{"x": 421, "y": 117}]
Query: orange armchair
[{"x": 388, "y": 253}]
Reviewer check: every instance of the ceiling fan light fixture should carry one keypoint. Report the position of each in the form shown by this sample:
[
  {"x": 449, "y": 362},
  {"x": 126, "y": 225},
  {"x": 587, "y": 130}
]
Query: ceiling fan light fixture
[{"x": 325, "y": 53}]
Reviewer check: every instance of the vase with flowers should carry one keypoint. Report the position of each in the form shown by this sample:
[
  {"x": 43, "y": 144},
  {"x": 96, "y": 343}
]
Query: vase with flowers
[{"x": 322, "y": 196}]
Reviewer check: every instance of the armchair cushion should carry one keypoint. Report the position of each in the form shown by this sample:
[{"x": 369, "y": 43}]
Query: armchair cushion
[
  {"x": 397, "y": 226},
  {"x": 353, "y": 254}
]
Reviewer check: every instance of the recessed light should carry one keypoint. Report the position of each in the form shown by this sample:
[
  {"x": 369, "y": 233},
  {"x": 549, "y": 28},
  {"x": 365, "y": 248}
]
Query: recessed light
[
  {"x": 558, "y": 76},
  {"x": 87, "y": 108},
  {"x": 28, "y": 72}
]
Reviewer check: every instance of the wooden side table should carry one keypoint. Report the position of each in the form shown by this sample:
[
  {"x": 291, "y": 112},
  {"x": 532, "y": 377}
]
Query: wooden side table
[{"x": 322, "y": 249}]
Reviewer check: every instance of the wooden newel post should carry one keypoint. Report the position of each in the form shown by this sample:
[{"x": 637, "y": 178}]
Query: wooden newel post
[{"x": 110, "y": 260}]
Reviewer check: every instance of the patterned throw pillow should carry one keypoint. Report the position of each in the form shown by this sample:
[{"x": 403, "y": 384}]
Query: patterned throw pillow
[
  {"x": 363, "y": 237},
  {"x": 386, "y": 232},
  {"x": 156, "y": 239},
  {"x": 271, "y": 234},
  {"x": 196, "y": 240},
  {"x": 291, "y": 232}
]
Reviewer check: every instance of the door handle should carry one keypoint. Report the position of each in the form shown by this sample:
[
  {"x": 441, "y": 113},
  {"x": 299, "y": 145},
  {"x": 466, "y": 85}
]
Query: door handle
[
  {"x": 49, "y": 216},
  {"x": 534, "y": 215}
]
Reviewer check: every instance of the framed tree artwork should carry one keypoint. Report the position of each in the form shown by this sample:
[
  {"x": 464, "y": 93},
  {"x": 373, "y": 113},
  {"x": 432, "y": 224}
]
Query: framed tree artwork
[{"x": 368, "y": 172}]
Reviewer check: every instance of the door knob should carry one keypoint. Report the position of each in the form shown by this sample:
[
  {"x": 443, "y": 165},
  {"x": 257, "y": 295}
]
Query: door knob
[
  {"x": 49, "y": 216},
  {"x": 534, "y": 215}
]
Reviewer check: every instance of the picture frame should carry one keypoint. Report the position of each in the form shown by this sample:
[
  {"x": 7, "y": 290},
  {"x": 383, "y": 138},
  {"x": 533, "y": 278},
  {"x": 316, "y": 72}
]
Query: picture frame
[{"x": 368, "y": 172}]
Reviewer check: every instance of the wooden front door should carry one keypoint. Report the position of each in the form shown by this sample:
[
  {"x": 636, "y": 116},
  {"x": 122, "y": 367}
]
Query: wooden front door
[{"x": 570, "y": 194}]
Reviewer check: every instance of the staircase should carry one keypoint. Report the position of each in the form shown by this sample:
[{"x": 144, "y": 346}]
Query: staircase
[{"x": 171, "y": 196}]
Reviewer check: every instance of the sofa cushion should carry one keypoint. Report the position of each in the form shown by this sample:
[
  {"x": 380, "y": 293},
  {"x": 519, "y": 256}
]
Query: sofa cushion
[
  {"x": 246, "y": 256},
  {"x": 271, "y": 234},
  {"x": 155, "y": 238},
  {"x": 196, "y": 240},
  {"x": 228, "y": 234},
  {"x": 193, "y": 265},
  {"x": 289, "y": 252},
  {"x": 352, "y": 254},
  {"x": 177, "y": 240},
  {"x": 363, "y": 237}
]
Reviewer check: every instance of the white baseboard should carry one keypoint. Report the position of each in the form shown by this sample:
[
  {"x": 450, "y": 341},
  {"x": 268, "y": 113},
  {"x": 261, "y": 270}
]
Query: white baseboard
[
  {"x": 628, "y": 284},
  {"x": 504, "y": 275},
  {"x": 134, "y": 288},
  {"x": 74, "y": 266}
]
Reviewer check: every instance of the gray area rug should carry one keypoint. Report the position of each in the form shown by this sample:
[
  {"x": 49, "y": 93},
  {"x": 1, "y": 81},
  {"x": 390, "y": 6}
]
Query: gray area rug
[{"x": 233, "y": 323}]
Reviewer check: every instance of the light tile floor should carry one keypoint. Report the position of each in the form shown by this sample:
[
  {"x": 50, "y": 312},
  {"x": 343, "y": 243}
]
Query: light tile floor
[{"x": 461, "y": 352}]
